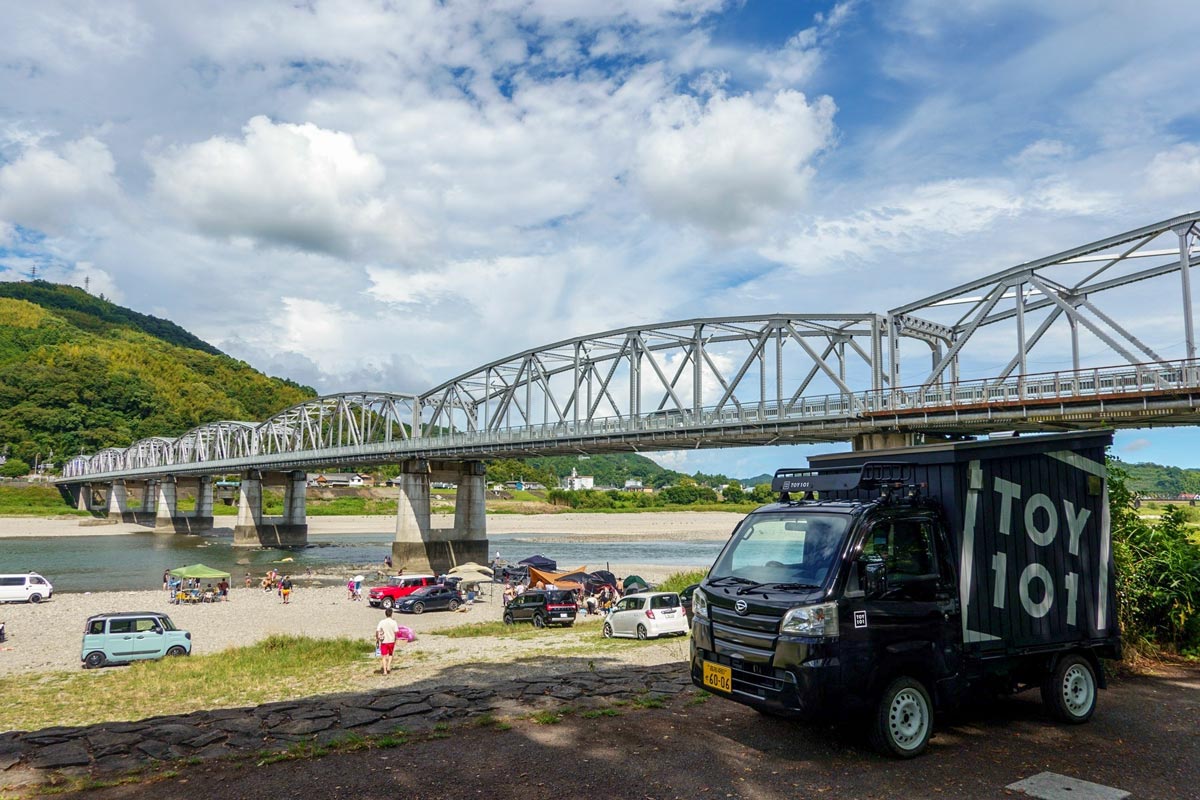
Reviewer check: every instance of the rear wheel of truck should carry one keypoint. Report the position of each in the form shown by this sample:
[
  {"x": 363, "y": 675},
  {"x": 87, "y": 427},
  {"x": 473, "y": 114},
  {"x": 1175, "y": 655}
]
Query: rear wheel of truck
[
  {"x": 903, "y": 720},
  {"x": 1069, "y": 692}
]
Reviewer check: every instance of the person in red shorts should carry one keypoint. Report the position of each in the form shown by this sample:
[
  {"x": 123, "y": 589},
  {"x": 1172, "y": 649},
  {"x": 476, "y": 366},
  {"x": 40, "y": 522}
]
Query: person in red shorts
[{"x": 385, "y": 634}]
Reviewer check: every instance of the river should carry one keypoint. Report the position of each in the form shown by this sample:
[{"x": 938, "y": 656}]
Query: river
[{"x": 136, "y": 561}]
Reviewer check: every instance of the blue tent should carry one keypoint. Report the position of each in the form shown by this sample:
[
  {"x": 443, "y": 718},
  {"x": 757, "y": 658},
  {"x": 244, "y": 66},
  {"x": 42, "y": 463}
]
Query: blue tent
[{"x": 540, "y": 562}]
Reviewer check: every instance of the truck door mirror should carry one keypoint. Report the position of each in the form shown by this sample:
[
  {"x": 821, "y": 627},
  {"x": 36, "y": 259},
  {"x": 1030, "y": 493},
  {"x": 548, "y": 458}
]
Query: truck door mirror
[{"x": 872, "y": 576}]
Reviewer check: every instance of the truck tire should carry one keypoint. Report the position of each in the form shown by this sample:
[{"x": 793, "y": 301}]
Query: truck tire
[
  {"x": 1069, "y": 691},
  {"x": 387, "y": 602},
  {"x": 903, "y": 720}
]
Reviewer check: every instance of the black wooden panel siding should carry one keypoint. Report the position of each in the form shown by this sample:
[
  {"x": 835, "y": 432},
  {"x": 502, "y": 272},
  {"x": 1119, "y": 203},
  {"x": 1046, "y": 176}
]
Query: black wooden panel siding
[{"x": 1047, "y": 494}]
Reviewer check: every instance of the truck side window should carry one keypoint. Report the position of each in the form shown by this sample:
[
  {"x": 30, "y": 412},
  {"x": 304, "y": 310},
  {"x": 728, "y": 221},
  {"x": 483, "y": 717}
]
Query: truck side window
[{"x": 907, "y": 548}]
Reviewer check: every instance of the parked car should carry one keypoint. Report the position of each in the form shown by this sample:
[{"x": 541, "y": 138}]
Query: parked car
[
  {"x": 685, "y": 600},
  {"x": 24, "y": 587},
  {"x": 131, "y": 636},
  {"x": 647, "y": 615},
  {"x": 431, "y": 598},
  {"x": 542, "y": 607},
  {"x": 396, "y": 588}
]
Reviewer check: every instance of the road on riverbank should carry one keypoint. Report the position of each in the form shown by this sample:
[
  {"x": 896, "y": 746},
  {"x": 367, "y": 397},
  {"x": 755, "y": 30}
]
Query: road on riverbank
[{"x": 1142, "y": 739}]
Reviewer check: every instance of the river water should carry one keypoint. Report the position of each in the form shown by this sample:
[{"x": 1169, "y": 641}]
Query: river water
[{"x": 137, "y": 560}]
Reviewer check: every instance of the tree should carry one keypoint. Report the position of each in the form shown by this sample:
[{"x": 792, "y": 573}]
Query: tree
[
  {"x": 763, "y": 494},
  {"x": 14, "y": 468},
  {"x": 734, "y": 493}
]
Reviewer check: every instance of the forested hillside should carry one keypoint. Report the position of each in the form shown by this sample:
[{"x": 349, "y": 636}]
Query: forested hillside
[
  {"x": 79, "y": 374},
  {"x": 1155, "y": 479}
]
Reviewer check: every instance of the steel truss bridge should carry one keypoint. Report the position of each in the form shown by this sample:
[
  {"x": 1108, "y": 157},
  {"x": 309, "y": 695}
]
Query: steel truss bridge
[{"x": 1113, "y": 318}]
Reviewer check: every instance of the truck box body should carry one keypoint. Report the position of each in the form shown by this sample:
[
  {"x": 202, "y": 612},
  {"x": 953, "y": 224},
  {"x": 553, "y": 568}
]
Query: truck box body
[{"x": 1029, "y": 519}]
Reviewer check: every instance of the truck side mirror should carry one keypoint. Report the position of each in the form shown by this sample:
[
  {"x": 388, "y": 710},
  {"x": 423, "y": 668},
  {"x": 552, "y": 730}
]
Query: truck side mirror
[{"x": 872, "y": 576}]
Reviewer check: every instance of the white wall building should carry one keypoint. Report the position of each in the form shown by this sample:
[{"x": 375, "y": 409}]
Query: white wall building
[{"x": 574, "y": 482}]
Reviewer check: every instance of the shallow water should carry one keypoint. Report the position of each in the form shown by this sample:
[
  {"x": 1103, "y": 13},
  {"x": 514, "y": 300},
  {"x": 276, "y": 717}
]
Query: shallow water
[{"x": 137, "y": 561}]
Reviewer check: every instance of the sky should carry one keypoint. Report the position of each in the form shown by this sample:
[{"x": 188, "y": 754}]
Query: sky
[{"x": 383, "y": 195}]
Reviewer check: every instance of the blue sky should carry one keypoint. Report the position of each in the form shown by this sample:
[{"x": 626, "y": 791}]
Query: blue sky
[{"x": 371, "y": 195}]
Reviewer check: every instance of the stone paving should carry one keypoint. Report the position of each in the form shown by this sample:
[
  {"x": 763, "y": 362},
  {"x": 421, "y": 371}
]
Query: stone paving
[{"x": 116, "y": 747}]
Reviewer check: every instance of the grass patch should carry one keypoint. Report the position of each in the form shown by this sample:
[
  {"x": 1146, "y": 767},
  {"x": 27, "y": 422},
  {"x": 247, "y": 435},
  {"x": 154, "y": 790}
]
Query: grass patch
[
  {"x": 699, "y": 698},
  {"x": 278, "y": 667},
  {"x": 490, "y": 721},
  {"x": 550, "y": 717},
  {"x": 648, "y": 701},
  {"x": 596, "y": 713},
  {"x": 521, "y": 630},
  {"x": 35, "y": 501},
  {"x": 678, "y": 581}
]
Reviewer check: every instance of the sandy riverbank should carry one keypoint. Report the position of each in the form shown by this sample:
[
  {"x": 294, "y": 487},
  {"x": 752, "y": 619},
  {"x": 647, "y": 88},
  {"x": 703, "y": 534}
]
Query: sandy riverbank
[
  {"x": 660, "y": 525},
  {"x": 46, "y": 637}
]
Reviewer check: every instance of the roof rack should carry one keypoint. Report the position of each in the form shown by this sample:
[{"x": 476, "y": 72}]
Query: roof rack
[{"x": 871, "y": 475}]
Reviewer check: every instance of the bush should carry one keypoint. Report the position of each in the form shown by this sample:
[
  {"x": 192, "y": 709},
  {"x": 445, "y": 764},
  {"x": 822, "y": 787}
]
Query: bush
[
  {"x": 1158, "y": 571},
  {"x": 14, "y": 468},
  {"x": 678, "y": 581}
]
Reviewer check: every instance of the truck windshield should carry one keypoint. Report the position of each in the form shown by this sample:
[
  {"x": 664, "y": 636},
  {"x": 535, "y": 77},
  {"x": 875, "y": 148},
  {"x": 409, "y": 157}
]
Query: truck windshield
[{"x": 792, "y": 548}]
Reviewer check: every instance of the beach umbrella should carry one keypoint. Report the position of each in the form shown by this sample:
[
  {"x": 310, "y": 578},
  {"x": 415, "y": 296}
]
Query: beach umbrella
[
  {"x": 359, "y": 578},
  {"x": 471, "y": 566}
]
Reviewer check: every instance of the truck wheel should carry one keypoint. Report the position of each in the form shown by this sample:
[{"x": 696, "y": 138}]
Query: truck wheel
[
  {"x": 177, "y": 651},
  {"x": 93, "y": 660},
  {"x": 35, "y": 598},
  {"x": 1069, "y": 692},
  {"x": 903, "y": 721},
  {"x": 387, "y": 602}
]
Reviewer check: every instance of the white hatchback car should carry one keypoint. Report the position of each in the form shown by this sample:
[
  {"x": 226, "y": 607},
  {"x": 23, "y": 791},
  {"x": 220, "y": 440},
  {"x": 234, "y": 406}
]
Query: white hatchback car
[{"x": 646, "y": 615}]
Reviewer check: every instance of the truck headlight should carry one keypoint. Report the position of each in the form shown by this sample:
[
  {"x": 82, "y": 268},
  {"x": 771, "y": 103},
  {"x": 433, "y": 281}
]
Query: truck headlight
[
  {"x": 699, "y": 605},
  {"x": 818, "y": 620}
]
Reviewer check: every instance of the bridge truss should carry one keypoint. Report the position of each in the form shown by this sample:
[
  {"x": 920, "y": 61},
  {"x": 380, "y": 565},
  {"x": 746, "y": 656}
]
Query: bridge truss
[{"x": 1113, "y": 319}]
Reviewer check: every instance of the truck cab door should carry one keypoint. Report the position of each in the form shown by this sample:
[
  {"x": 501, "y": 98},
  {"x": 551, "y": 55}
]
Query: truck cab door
[{"x": 912, "y": 614}]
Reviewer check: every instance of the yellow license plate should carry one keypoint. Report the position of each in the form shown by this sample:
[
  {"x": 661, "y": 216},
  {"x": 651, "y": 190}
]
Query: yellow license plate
[{"x": 718, "y": 677}]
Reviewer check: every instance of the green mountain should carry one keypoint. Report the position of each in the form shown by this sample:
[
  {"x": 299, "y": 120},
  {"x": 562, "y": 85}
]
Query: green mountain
[
  {"x": 78, "y": 373},
  {"x": 1155, "y": 479}
]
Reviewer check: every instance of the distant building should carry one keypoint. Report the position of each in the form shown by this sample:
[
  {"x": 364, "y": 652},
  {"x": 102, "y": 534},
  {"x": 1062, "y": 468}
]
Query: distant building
[
  {"x": 330, "y": 480},
  {"x": 574, "y": 482},
  {"x": 634, "y": 485}
]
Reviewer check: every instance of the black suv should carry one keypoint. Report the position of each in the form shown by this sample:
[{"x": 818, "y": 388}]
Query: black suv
[{"x": 542, "y": 607}]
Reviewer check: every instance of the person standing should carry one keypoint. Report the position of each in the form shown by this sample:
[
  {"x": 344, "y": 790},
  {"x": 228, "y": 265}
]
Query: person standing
[
  {"x": 166, "y": 579},
  {"x": 249, "y": 580},
  {"x": 385, "y": 634},
  {"x": 285, "y": 588}
]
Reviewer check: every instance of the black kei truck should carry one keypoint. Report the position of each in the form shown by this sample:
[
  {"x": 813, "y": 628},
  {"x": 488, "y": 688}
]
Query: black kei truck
[{"x": 899, "y": 582}]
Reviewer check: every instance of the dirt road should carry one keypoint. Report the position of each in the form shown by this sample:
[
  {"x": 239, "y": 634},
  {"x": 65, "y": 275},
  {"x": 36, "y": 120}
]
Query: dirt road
[{"x": 1143, "y": 739}]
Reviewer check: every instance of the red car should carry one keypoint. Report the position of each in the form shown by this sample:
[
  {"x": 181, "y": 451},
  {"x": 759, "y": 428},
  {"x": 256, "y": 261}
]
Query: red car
[{"x": 396, "y": 588}]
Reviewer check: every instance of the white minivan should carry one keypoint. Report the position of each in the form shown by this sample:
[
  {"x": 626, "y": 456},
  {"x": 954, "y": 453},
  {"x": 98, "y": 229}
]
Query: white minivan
[{"x": 29, "y": 587}]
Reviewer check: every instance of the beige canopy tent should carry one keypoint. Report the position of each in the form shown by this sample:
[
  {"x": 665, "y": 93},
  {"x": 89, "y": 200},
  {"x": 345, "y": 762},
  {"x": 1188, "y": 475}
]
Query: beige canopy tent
[
  {"x": 470, "y": 566},
  {"x": 566, "y": 579}
]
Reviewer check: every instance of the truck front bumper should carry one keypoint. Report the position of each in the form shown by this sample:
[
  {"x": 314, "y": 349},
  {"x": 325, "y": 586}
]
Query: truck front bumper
[{"x": 809, "y": 689}]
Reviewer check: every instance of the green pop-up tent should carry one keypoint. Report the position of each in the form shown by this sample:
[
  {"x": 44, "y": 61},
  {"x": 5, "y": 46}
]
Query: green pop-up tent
[{"x": 199, "y": 571}]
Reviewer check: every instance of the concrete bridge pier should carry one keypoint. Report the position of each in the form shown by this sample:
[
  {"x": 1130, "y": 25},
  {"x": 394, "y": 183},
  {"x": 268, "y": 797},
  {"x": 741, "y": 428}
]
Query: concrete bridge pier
[
  {"x": 169, "y": 519},
  {"x": 118, "y": 502},
  {"x": 149, "y": 497},
  {"x": 419, "y": 547},
  {"x": 77, "y": 495},
  {"x": 254, "y": 530}
]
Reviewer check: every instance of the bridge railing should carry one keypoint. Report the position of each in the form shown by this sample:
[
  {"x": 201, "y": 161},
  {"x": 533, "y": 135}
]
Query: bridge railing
[{"x": 971, "y": 396}]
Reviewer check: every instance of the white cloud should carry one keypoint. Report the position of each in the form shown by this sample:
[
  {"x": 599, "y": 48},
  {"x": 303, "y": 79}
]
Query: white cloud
[
  {"x": 50, "y": 191},
  {"x": 98, "y": 281},
  {"x": 1175, "y": 172},
  {"x": 1134, "y": 446},
  {"x": 732, "y": 163},
  {"x": 295, "y": 185}
]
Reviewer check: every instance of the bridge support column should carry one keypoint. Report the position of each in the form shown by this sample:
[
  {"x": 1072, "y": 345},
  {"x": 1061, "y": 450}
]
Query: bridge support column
[
  {"x": 167, "y": 512},
  {"x": 82, "y": 496},
  {"x": 419, "y": 547},
  {"x": 118, "y": 502},
  {"x": 149, "y": 497},
  {"x": 202, "y": 517},
  {"x": 885, "y": 441},
  {"x": 412, "y": 518},
  {"x": 254, "y": 530}
]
